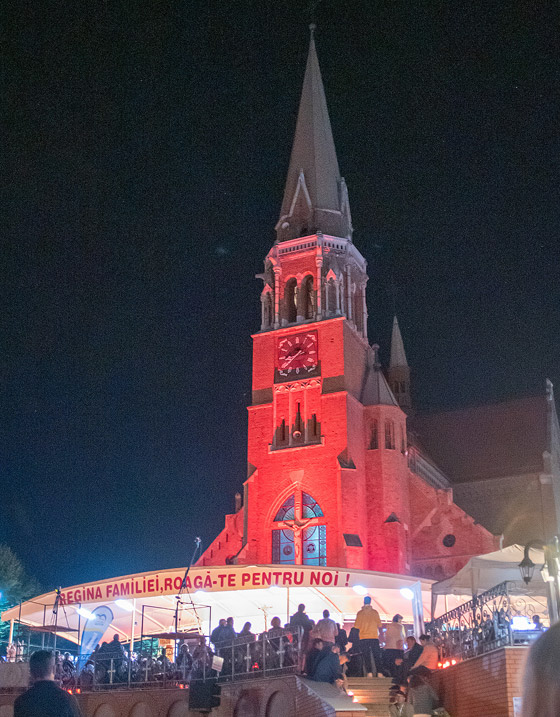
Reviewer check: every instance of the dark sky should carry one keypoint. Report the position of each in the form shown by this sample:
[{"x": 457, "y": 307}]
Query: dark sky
[{"x": 146, "y": 145}]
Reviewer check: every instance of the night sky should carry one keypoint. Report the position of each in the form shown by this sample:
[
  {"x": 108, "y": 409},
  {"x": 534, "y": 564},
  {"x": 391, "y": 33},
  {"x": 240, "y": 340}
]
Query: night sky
[{"x": 146, "y": 147}]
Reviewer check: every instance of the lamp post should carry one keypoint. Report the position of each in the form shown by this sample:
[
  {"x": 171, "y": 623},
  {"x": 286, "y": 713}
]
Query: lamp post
[{"x": 550, "y": 572}]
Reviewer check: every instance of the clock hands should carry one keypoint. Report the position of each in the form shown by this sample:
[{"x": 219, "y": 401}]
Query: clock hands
[{"x": 293, "y": 357}]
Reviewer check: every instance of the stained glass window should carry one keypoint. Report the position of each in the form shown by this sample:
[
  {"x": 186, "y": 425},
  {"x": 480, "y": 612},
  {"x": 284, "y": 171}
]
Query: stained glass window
[
  {"x": 309, "y": 507},
  {"x": 286, "y": 512},
  {"x": 315, "y": 545},
  {"x": 283, "y": 548},
  {"x": 291, "y": 544}
]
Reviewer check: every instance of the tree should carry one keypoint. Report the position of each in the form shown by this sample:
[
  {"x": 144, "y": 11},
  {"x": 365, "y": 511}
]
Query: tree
[{"x": 15, "y": 584}]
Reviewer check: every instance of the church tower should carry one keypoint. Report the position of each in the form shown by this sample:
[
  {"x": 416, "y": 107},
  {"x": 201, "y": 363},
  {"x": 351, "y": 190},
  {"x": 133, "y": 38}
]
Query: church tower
[
  {"x": 330, "y": 481},
  {"x": 323, "y": 423}
]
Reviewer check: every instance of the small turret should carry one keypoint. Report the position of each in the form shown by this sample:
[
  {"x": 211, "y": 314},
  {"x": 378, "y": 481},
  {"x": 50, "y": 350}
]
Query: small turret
[{"x": 398, "y": 373}]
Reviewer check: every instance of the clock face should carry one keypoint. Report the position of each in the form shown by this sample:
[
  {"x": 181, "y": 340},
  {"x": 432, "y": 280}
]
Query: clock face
[{"x": 297, "y": 354}]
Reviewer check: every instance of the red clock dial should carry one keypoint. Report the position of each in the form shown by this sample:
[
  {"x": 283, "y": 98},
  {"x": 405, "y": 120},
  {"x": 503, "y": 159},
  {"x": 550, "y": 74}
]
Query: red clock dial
[{"x": 297, "y": 354}]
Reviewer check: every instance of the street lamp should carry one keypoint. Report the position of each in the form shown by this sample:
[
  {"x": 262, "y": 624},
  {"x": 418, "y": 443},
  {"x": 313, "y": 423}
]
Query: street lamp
[
  {"x": 550, "y": 572},
  {"x": 527, "y": 568}
]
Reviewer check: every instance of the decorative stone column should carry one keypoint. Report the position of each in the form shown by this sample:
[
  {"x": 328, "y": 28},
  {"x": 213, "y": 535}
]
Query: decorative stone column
[
  {"x": 277, "y": 274},
  {"x": 364, "y": 309},
  {"x": 319, "y": 264},
  {"x": 263, "y": 312},
  {"x": 348, "y": 295}
]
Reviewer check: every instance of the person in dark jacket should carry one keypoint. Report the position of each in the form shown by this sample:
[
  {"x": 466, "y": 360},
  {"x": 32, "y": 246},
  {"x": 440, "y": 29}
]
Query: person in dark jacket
[
  {"x": 300, "y": 620},
  {"x": 341, "y": 638},
  {"x": 404, "y": 665},
  {"x": 217, "y": 636},
  {"x": 44, "y": 698},
  {"x": 312, "y": 656},
  {"x": 327, "y": 667}
]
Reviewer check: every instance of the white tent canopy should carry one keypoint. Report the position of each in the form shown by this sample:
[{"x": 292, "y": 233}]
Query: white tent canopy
[
  {"x": 145, "y": 603},
  {"x": 483, "y": 572}
]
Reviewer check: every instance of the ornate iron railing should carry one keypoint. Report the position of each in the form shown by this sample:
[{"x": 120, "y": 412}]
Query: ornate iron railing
[{"x": 482, "y": 625}]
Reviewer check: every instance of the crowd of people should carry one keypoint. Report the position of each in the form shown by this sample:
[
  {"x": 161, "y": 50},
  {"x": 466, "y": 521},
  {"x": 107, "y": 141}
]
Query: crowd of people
[
  {"x": 332, "y": 655},
  {"x": 111, "y": 663},
  {"x": 320, "y": 651},
  {"x": 325, "y": 661}
]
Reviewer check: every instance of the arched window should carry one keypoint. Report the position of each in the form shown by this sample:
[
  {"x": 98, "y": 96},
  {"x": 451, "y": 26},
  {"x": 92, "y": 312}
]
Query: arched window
[
  {"x": 390, "y": 435},
  {"x": 290, "y": 301},
  {"x": 286, "y": 511},
  {"x": 267, "y": 310},
  {"x": 358, "y": 309},
  {"x": 299, "y": 535},
  {"x": 307, "y": 308},
  {"x": 332, "y": 304},
  {"x": 374, "y": 436}
]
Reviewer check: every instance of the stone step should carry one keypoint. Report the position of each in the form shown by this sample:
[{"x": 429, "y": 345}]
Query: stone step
[{"x": 372, "y": 693}]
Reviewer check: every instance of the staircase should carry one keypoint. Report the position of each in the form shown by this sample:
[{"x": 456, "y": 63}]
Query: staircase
[{"x": 372, "y": 693}]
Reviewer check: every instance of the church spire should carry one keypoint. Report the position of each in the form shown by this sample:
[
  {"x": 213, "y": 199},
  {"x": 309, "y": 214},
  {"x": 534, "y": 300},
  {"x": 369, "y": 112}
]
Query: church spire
[
  {"x": 315, "y": 196},
  {"x": 398, "y": 357},
  {"x": 398, "y": 373}
]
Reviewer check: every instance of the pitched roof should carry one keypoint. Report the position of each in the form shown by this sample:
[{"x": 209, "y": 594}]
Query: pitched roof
[
  {"x": 376, "y": 390},
  {"x": 500, "y": 439},
  {"x": 315, "y": 195},
  {"x": 398, "y": 356}
]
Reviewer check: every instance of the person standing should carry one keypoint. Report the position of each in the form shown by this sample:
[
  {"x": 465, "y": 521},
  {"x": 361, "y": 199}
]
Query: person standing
[
  {"x": 394, "y": 645},
  {"x": 326, "y": 629},
  {"x": 341, "y": 638},
  {"x": 44, "y": 698},
  {"x": 216, "y": 637},
  {"x": 299, "y": 621},
  {"x": 368, "y": 623}
]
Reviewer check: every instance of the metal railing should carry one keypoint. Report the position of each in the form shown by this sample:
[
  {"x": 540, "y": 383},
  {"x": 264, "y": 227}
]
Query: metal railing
[
  {"x": 483, "y": 624},
  {"x": 275, "y": 652}
]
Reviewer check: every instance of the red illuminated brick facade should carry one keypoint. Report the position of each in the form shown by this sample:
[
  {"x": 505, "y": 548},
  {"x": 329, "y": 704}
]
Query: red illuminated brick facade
[
  {"x": 332, "y": 479},
  {"x": 336, "y": 433}
]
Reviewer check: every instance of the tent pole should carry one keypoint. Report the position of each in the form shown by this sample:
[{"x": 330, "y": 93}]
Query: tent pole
[{"x": 131, "y": 648}]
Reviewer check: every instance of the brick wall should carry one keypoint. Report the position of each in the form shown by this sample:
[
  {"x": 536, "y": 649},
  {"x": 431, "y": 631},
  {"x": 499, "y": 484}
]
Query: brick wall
[
  {"x": 484, "y": 686},
  {"x": 123, "y": 703}
]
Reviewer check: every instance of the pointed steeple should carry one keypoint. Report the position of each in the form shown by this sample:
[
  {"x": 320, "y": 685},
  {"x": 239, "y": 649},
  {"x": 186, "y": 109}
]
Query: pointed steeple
[
  {"x": 398, "y": 357},
  {"x": 315, "y": 196},
  {"x": 398, "y": 373}
]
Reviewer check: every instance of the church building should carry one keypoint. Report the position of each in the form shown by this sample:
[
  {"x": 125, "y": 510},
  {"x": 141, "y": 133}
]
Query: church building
[{"x": 334, "y": 478}]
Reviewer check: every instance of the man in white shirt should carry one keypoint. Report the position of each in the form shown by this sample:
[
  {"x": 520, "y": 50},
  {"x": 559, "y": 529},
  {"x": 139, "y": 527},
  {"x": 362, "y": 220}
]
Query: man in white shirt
[
  {"x": 394, "y": 644},
  {"x": 326, "y": 629}
]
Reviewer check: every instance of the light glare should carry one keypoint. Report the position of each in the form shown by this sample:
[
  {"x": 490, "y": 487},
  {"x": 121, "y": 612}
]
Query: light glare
[
  {"x": 125, "y": 605},
  {"x": 85, "y": 613},
  {"x": 359, "y": 589},
  {"x": 407, "y": 593}
]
